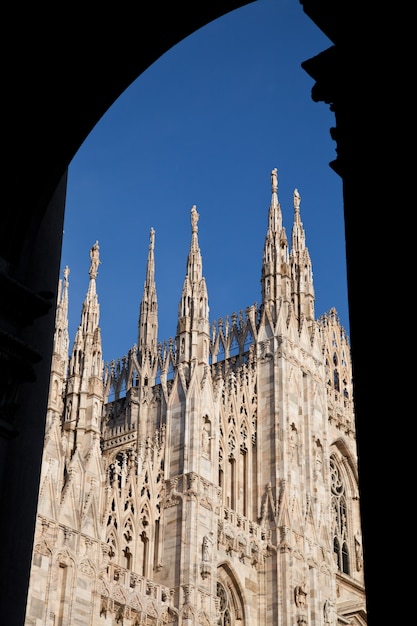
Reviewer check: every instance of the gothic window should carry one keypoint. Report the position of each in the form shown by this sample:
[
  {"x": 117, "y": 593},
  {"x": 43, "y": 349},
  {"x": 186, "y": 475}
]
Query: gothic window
[
  {"x": 231, "y": 445},
  {"x": 119, "y": 466},
  {"x": 254, "y": 426},
  {"x": 144, "y": 553},
  {"x": 112, "y": 519},
  {"x": 340, "y": 521},
  {"x": 221, "y": 456},
  {"x": 230, "y": 602},
  {"x": 144, "y": 517},
  {"x": 128, "y": 557},
  {"x": 231, "y": 500},
  {"x": 220, "y": 477},
  {"x": 243, "y": 473},
  {"x": 145, "y": 487},
  {"x": 244, "y": 480},
  {"x": 225, "y": 615},
  {"x": 111, "y": 542},
  {"x": 243, "y": 436},
  {"x": 62, "y": 592},
  {"x": 156, "y": 545}
]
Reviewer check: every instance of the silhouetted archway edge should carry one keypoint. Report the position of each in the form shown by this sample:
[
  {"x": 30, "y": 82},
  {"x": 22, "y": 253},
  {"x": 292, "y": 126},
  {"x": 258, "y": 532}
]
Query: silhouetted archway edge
[{"x": 62, "y": 73}]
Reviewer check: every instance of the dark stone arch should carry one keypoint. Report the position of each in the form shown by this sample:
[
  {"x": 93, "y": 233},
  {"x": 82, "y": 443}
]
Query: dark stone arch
[
  {"x": 61, "y": 72},
  {"x": 68, "y": 73}
]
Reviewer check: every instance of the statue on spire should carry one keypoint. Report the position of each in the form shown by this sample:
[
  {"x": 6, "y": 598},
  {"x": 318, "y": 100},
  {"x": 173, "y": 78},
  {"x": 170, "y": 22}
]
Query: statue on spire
[
  {"x": 297, "y": 199},
  {"x": 194, "y": 219},
  {"x": 95, "y": 260},
  {"x": 152, "y": 238},
  {"x": 274, "y": 180}
]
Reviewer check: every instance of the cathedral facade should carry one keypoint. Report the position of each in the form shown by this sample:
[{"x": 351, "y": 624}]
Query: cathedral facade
[{"x": 209, "y": 480}]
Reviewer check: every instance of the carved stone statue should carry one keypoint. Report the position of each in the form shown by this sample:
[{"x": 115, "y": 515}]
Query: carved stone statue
[
  {"x": 194, "y": 219},
  {"x": 297, "y": 199},
  {"x": 274, "y": 179},
  {"x": 95, "y": 260},
  {"x": 207, "y": 541},
  {"x": 358, "y": 553},
  {"x": 300, "y": 596},
  {"x": 327, "y": 609}
]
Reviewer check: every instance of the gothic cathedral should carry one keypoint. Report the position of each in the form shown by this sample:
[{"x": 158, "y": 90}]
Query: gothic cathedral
[{"x": 209, "y": 480}]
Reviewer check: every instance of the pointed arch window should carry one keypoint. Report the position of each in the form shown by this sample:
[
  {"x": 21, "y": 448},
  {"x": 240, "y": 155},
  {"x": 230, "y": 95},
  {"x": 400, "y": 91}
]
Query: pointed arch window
[
  {"x": 144, "y": 553},
  {"x": 231, "y": 500},
  {"x": 230, "y": 602},
  {"x": 224, "y": 608},
  {"x": 156, "y": 545},
  {"x": 336, "y": 382},
  {"x": 62, "y": 592},
  {"x": 221, "y": 472},
  {"x": 340, "y": 520},
  {"x": 128, "y": 557}
]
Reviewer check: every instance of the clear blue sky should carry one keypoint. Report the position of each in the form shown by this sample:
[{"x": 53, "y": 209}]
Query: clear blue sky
[{"x": 205, "y": 125}]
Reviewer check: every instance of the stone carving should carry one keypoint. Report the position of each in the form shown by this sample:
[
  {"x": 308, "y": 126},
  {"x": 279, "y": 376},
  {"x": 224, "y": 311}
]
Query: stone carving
[
  {"x": 95, "y": 260},
  {"x": 104, "y": 606},
  {"x": 119, "y": 615},
  {"x": 327, "y": 612},
  {"x": 358, "y": 552},
  {"x": 300, "y": 596},
  {"x": 274, "y": 180},
  {"x": 297, "y": 199},
  {"x": 207, "y": 544},
  {"x": 194, "y": 218},
  {"x": 294, "y": 443}
]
